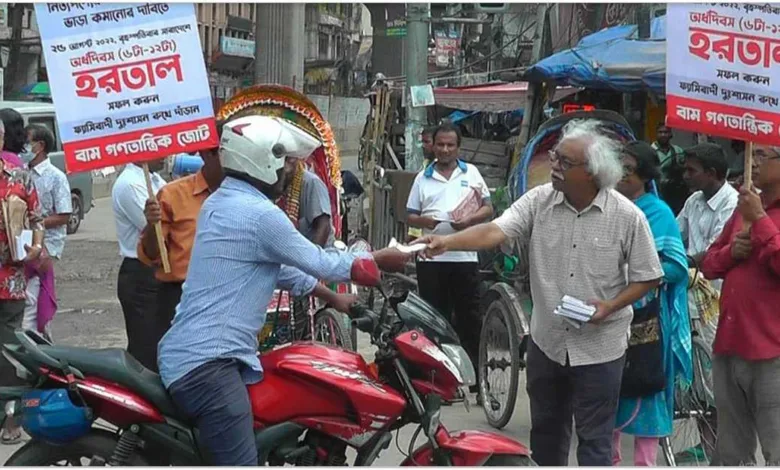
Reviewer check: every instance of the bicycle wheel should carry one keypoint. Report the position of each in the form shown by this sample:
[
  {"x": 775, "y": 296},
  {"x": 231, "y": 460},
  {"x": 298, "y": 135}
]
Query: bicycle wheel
[
  {"x": 694, "y": 432},
  {"x": 331, "y": 327},
  {"x": 499, "y": 355}
]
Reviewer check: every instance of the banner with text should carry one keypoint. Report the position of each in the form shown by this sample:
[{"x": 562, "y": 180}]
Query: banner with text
[
  {"x": 128, "y": 81},
  {"x": 723, "y": 70}
]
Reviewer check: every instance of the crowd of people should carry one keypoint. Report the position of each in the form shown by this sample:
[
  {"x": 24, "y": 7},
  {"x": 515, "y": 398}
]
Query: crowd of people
[
  {"x": 612, "y": 228},
  {"x": 615, "y": 228}
]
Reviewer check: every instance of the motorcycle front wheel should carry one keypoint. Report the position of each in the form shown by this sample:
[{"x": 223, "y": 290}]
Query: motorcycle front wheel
[{"x": 77, "y": 453}]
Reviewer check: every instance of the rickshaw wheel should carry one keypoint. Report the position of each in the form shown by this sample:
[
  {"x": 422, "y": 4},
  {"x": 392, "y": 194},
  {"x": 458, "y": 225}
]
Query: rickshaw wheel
[
  {"x": 501, "y": 334},
  {"x": 332, "y": 327}
]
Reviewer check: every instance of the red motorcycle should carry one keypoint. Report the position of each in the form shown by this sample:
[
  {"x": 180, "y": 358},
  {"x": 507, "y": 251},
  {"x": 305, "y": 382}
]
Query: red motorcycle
[{"x": 313, "y": 403}]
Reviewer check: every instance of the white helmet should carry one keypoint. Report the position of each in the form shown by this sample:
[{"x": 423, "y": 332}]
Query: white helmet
[{"x": 258, "y": 145}]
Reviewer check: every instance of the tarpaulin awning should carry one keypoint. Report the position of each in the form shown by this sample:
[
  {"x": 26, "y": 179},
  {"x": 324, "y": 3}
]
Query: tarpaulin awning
[
  {"x": 494, "y": 98},
  {"x": 39, "y": 88},
  {"x": 611, "y": 59}
]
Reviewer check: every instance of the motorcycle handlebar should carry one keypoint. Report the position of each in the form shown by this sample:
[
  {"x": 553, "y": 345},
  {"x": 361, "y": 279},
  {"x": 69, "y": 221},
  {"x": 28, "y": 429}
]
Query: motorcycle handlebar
[{"x": 362, "y": 318}]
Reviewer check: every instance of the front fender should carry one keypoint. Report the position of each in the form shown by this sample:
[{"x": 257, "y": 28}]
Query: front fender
[{"x": 467, "y": 448}]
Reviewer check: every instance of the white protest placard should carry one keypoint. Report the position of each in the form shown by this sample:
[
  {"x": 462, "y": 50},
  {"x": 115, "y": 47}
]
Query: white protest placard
[
  {"x": 723, "y": 70},
  {"x": 128, "y": 81}
]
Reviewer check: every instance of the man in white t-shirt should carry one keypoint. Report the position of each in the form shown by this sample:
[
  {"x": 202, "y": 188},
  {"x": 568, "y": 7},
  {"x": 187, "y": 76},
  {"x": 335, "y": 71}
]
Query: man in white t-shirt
[{"x": 450, "y": 282}]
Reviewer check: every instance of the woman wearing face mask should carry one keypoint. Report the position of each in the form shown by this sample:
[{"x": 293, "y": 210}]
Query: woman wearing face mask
[
  {"x": 660, "y": 332},
  {"x": 14, "y": 138},
  {"x": 17, "y": 181}
]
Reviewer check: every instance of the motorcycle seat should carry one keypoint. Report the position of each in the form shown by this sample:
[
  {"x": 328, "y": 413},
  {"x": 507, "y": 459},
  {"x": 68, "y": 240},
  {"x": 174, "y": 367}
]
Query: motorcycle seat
[{"x": 117, "y": 365}]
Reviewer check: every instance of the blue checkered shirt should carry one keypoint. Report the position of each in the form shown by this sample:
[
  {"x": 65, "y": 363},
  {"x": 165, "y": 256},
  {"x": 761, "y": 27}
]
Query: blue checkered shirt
[{"x": 245, "y": 246}]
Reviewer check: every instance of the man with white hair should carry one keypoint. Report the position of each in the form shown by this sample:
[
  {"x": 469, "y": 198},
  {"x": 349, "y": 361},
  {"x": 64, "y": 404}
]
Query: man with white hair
[{"x": 587, "y": 241}]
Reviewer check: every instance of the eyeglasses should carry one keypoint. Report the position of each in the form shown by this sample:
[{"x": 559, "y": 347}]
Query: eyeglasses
[
  {"x": 564, "y": 163},
  {"x": 760, "y": 156},
  {"x": 628, "y": 170}
]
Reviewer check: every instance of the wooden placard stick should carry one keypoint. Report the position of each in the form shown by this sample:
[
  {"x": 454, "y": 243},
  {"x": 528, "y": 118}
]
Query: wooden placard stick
[
  {"x": 166, "y": 265},
  {"x": 747, "y": 179}
]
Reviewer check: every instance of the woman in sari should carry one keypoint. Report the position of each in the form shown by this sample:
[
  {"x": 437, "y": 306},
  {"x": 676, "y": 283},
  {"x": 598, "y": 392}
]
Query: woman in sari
[{"x": 649, "y": 418}]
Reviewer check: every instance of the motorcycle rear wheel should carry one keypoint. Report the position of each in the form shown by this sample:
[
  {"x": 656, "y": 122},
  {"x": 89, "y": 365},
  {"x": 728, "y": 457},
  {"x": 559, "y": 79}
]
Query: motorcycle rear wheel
[
  {"x": 38, "y": 453},
  {"x": 510, "y": 461}
]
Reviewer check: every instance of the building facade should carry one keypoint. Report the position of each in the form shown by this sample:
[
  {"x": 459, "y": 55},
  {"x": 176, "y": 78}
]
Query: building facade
[
  {"x": 227, "y": 37},
  {"x": 334, "y": 34}
]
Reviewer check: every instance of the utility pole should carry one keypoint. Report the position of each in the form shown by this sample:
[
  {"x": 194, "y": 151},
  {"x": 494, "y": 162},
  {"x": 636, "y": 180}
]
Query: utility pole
[
  {"x": 279, "y": 48},
  {"x": 417, "y": 19},
  {"x": 534, "y": 88},
  {"x": 15, "y": 16}
]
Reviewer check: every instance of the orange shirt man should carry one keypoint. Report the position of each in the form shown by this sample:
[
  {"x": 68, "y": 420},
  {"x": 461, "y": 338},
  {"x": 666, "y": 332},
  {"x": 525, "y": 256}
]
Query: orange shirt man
[{"x": 177, "y": 207}]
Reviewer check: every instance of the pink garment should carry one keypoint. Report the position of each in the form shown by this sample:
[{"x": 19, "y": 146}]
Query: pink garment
[
  {"x": 47, "y": 297},
  {"x": 645, "y": 451},
  {"x": 12, "y": 159}
]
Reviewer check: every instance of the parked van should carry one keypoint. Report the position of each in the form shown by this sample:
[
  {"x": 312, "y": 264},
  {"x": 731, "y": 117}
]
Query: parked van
[{"x": 80, "y": 183}]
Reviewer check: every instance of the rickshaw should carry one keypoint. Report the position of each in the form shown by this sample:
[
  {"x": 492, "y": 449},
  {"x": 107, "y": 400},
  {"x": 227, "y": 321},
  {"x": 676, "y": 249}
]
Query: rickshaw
[
  {"x": 508, "y": 305},
  {"x": 299, "y": 319}
]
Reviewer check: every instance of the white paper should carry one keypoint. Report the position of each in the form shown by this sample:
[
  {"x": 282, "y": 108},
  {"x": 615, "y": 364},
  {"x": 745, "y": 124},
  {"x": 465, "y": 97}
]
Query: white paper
[
  {"x": 25, "y": 238},
  {"x": 414, "y": 248}
]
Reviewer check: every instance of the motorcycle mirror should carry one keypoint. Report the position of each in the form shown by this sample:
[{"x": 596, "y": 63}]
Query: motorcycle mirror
[{"x": 365, "y": 272}]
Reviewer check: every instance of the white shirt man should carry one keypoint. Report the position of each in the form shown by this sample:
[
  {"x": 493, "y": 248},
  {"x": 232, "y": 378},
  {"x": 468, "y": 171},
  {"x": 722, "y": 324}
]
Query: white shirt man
[
  {"x": 129, "y": 199},
  {"x": 432, "y": 195},
  {"x": 53, "y": 190},
  {"x": 450, "y": 282},
  {"x": 137, "y": 285},
  {"x": 702, "y": 220}
]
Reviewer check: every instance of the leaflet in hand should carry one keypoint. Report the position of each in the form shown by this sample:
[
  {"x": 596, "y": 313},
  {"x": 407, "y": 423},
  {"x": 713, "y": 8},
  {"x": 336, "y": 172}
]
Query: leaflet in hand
[
  {"x": 576, "y": 310},
  {"x": 470, "y": 204},
  {"x": 414, "y": 248},
  {"x": 25, "y": 238}
]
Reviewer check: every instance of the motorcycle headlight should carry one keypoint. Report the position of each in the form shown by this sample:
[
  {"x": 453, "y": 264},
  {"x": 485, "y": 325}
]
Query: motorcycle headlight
[{"x": 462, "y": 361}]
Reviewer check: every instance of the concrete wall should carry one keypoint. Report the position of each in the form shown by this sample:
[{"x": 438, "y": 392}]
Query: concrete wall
[{"x": 347, "y": 117}]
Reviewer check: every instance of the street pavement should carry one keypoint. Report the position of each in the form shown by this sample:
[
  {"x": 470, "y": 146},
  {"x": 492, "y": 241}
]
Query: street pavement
[{"x": 90, "y": 316}]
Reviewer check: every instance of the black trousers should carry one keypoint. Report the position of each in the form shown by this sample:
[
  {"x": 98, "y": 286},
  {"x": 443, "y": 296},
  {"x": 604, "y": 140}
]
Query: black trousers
[
  {"x": 453, "y": 289},
  {"x": 588, "y": 393},
  {"x": 137, "y": 289},
  {"x": 168, "y": 298},
  {"x": 11, "y": 313}
]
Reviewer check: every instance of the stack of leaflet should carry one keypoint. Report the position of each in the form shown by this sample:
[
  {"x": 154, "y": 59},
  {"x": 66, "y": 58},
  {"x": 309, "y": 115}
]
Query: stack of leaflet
[{"x": 575, "y": 311}]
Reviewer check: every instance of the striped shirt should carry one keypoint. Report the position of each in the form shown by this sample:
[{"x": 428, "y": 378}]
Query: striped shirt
[
  {"x": 242, "y": 243},
  {"x": 591, "y": 254}
]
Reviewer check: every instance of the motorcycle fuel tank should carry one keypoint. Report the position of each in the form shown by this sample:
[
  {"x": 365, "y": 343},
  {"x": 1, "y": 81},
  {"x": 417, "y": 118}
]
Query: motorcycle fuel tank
[{"x": 304, "y": 380}]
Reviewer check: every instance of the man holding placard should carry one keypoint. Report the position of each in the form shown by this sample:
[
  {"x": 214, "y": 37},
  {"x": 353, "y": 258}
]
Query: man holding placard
[
  {"x": 137, "y": 287},
  {"x": 746, "y": 361}
]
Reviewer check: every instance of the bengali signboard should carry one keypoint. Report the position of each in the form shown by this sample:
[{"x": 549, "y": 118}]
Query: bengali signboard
[
  {"x": 723, "y": 70},
  {"x": 128, "y": 81}
]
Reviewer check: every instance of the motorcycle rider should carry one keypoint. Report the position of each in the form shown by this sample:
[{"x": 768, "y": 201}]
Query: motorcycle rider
[{"x": 245, "y": 246}]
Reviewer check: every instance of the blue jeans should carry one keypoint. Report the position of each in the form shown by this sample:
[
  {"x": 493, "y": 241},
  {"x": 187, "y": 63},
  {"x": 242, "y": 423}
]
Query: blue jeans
[{"x": 215, "y": 397}]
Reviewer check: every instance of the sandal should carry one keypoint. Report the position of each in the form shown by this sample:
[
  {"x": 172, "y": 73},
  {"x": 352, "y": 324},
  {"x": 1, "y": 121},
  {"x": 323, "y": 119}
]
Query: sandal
[{"x": 11, "y": 438}]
